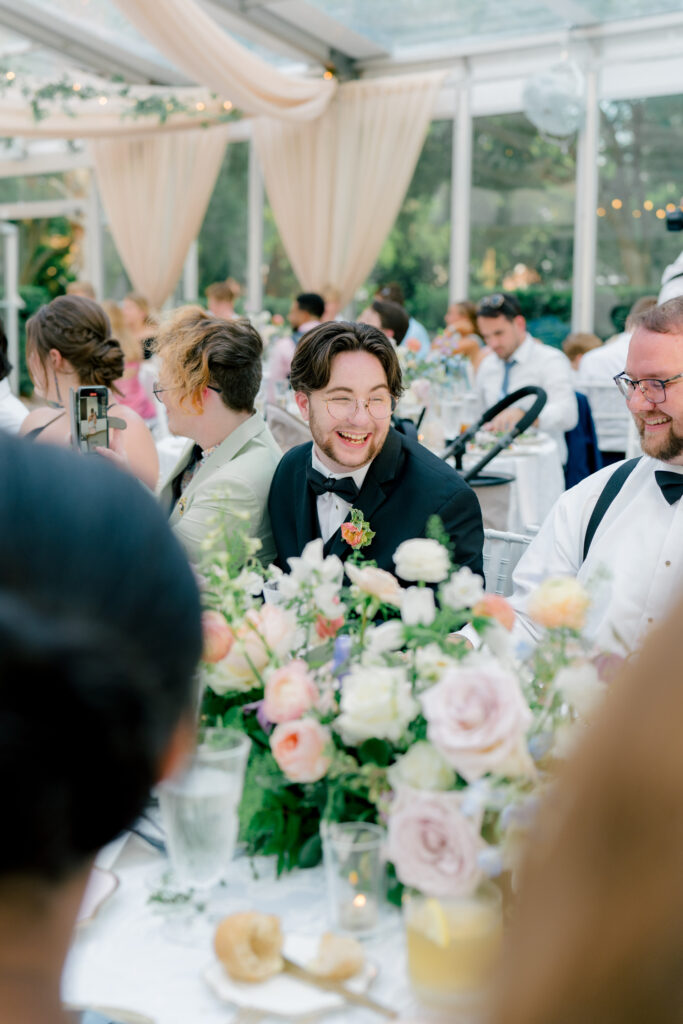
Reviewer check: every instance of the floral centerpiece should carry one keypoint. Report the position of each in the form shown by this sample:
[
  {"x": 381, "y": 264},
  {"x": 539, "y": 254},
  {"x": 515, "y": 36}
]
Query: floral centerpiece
[{"x": 362, "y": 704}]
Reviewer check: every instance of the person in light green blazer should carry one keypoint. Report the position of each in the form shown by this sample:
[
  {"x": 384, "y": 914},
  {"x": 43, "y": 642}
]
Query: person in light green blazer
[{"x": 209, "y": 375}]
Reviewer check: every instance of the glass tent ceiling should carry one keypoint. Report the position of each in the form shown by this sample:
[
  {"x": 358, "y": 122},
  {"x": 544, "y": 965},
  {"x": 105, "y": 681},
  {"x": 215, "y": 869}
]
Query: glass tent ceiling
[{"x": 352, "y": 35}]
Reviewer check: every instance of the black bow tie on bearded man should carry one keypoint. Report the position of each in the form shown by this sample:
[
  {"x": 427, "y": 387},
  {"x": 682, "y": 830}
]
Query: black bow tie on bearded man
[
  {"x": 670, "y": 484},
  {"x": 345, "y": 487}
]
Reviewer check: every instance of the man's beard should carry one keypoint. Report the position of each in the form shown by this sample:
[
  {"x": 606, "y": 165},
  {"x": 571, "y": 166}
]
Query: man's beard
[
  {"x": 670, "y": 447},
  {"x": 328, "y": 449}
]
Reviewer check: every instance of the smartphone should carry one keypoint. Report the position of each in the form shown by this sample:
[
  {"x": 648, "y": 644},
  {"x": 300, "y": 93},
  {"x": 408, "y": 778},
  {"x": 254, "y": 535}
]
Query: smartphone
[{"x": 89, "y": 418}]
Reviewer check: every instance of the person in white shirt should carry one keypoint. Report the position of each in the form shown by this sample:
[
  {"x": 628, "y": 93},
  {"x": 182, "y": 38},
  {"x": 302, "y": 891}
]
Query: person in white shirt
[
  {"x": 633, "y": 567},
  {"x": 601, "y": 365},
  {"x": 305, "y": 313},
  {"x": 518, "y": 360},
  {"x": 12, "y": 411}
]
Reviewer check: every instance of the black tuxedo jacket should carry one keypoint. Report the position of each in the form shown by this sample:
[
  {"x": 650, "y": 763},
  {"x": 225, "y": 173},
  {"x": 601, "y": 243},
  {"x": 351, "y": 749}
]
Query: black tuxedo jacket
[{"x": 404, "y": 486}]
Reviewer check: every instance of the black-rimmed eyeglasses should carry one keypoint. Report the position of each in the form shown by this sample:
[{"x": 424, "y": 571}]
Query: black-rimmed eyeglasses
[{"x": 653, "y": 389}]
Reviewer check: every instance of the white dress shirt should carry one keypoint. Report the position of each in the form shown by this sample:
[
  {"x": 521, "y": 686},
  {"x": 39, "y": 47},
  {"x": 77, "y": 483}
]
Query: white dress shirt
[
  {"x": 634, "y": 566},
  {"x": 333, "y": 510},
  {"x": 12, "y": 411},
  {"x": 603, "y": 364},
  {"x": 595, "y": 379},
  {"x": 540, "y": 365}
]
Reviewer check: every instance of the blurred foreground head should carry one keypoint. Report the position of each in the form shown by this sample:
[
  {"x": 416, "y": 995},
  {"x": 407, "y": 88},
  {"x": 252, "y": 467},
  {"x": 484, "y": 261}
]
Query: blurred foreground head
[
  {"x": 99, "y": 638},
  {"x": 597, "y": 936}
]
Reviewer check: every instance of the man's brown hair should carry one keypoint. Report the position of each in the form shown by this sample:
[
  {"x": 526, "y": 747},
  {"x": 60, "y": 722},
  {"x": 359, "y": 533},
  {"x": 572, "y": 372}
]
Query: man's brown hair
[
  {"x": 392, "y": 318},
  {"x": 664, "y": 319},
  {"x": 312, "y": 363}
]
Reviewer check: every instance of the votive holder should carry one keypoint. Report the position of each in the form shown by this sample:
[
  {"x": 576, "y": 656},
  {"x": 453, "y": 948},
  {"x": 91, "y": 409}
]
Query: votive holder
[{"x": 354, "y": 875}]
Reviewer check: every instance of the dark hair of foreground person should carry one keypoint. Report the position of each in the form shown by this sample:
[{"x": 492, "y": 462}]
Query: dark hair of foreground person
[{"x": 597, "y": 936}]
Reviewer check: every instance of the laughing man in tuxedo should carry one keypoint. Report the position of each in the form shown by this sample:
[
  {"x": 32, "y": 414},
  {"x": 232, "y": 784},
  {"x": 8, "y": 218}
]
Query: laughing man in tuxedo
[{"x": 347, "y": 380}]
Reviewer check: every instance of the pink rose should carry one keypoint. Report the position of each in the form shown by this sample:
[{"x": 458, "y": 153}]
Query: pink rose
[
  {"x": 413, "y": 345},
  {"x": 377, "y": 582},
  {"x": 328, "y": 628},
  {"x": 289, "y": 692},
  {"x": 218, "y": 637},
  {"x": 478, "y": 718},
  {"x": 299, "y": 749},
  {"x": 432, "y": 845},
  {"x": 352, "y": 534},
  {"x": 265, "y": 633},
  {"x": 496, "y": 607}
]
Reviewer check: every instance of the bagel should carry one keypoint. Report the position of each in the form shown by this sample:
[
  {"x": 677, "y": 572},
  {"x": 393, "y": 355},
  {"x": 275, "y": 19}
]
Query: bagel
[{"x": 248, "y": 945}]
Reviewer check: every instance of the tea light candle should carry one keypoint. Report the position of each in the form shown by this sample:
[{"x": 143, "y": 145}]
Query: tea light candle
[{"x": 360, "y": 914}]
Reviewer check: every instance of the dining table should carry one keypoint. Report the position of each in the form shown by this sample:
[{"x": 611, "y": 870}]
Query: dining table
[{"x": 129, "y": 955}]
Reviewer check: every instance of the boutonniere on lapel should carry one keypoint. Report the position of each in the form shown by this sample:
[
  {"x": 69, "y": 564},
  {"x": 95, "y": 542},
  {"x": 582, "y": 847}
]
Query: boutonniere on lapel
[
  {"x": 182, "y": 502},
  {"x": 357, "y": 533}
]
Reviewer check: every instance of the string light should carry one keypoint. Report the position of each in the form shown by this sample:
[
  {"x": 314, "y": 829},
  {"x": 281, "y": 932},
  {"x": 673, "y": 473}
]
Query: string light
[
  {"x": 201, "y": 106},
  {"x": 10, "y": 76},
  {"x": 327, "y": 75},
  {"x": 616, "y": 204},
  {"x": 637, "y": 214},
  {"x": 227, "y": 105},
  {"x": 648, "y": 205},
  {"x": 102, "y": 100},
  {"x": 670, "y": 207},
  {"x": 601, "y": 211},
  {"x": 76, "y": 87},
  {"x": 660, "y": 214}
]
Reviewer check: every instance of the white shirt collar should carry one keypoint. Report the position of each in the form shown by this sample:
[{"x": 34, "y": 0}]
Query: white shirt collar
[
  {"x": 358, "y": 475},
  {"x": 525, "y": 351}
]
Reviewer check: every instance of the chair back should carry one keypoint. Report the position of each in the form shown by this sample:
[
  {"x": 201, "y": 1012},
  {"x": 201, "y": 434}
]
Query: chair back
[
  {"x": 502, "y": 551},
  {"x": 610, "y": 414}
]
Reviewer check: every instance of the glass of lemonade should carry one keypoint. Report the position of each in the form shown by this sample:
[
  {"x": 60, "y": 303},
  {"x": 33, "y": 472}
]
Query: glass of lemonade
[
  {"x": 452, "y": 944},
  {"x": 199, "y": 808}
]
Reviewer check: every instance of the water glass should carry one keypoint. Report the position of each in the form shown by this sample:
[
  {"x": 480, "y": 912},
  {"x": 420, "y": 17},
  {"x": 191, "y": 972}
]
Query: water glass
[
  {"x": 354, "y": 874},
  {"x": 199, "y": 808}
]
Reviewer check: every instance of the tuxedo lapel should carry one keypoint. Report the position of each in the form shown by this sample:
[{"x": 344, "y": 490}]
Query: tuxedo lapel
[
  {"x": 305, "y": 507},
  {"x": 377, "y": 486}
]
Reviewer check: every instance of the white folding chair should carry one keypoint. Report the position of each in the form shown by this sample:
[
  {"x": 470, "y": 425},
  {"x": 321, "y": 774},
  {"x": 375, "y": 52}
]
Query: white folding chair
[
  {"x": 288, "y": 430},
  {"x": 610, "y": 414},
  {"x": 502, "y": 551}
]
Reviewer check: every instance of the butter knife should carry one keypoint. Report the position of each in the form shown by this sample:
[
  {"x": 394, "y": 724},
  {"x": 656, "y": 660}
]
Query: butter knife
[
  {"x": 357, "y": 998},
  {"x": 112, "y": 1013}
]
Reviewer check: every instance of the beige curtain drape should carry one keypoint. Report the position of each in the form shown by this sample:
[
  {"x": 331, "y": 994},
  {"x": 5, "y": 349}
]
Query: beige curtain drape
[
  {"x": 189, "y": 37},
  {"x": 337, "y": 184},
  {"x": 155, "y": 191}
]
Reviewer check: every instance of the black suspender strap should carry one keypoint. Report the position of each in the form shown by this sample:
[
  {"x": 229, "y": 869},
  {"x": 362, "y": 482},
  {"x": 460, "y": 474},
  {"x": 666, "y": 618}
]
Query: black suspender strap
[{"x": 609, "y": 493}]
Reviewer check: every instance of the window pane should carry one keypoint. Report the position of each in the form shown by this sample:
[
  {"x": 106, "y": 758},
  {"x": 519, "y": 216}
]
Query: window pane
[
  {"x": 523, "y": 220},
  {"x": 416, "y": 252},
  {"x": 279, "y": 280},
  {"x": 640, "y": 159},
  {"x": 72, "y": 184},
  {"x": 222, "y": 242}
]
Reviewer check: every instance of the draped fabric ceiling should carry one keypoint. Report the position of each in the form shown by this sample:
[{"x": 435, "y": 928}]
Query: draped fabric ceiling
[{"x": 337, "y": 159}]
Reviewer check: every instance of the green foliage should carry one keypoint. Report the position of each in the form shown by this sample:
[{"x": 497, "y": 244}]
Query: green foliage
[
  {"x": 33, "y": 296},
  {"x": 222, "y": 241}
]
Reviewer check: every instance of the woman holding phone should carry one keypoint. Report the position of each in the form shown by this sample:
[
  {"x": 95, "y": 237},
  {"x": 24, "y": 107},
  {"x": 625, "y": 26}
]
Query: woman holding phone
[{"x": 69, "y": 345}]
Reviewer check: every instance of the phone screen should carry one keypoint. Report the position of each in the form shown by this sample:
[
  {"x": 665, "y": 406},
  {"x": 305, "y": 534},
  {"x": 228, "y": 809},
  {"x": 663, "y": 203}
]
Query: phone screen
[{"x": 93, "y": 424}]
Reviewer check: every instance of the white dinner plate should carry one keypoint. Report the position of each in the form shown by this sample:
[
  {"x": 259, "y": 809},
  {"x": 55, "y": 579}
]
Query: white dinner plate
[
  {"x": 283, "y": 994},
  {"x": 100, "y": 887}
]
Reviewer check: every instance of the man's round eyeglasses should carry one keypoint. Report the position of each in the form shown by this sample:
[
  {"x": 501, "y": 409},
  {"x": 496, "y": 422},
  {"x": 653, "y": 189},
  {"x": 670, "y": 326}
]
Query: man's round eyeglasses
[
  {"x": 652, "y": 388},
  {"x": 378, "y": 408}
]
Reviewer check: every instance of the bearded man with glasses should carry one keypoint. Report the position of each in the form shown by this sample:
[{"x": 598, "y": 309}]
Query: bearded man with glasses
[
  {"x": 347, "y": 380},
  {"x": 620, "y": 531}
]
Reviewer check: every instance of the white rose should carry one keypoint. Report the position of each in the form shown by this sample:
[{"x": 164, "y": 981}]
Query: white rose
[
  {"x": 326, "y": 598},
  {"x": 422, "y": 767},
  {"x": 418, "y": 607},
  {"x": 581, "y": 687},
  {"x": 463, "y": 590},
  {"x": 431, "y": 663},
  {"x": 385, "y": 638},
  {"x": 375, "y": 702},
  {"x": 377, "y": 582},
  {"x": 422, "y": 560},
  {"x": 478, "y": 718},
  {"x": 311, "y": 563}
]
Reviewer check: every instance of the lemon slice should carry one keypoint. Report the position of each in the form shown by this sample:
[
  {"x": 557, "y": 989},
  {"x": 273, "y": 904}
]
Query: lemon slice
[{"x": 431, "y": 920}]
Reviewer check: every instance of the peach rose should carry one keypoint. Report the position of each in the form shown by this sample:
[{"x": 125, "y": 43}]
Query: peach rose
[
  {"x": 496, "y": 607},
  {"x": 352, "y": 534},
  {"x": 559, "y": 602},
  {"x": 218, "y": 637},
  {"x": 328, "y": 628},
  {"x": 377, "y": 582},
  {"x": 266, "y": 632},
  {"x": 289, "y": 692},
  {"x": 413, "y": 345},
  {"x": 300, "y": 749}
]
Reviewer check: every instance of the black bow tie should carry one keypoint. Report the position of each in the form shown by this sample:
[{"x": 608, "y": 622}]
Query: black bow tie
[
  {"x": 670, "y": 484},
  {"x": 344, "y": 487}
]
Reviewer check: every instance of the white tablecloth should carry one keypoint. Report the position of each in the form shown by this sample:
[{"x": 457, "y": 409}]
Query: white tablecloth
[
  {"x": 538, "y": 483},
  {"x": 124, "y": 957}
]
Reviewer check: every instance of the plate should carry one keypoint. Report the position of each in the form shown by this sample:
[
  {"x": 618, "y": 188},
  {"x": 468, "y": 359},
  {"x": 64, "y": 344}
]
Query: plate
[
  {"x": 284, "y": 994},
  {"x": 100, "y": 887}
]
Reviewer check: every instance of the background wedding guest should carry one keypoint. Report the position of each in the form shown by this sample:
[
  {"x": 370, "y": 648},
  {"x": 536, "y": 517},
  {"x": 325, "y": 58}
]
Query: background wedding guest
[
  {"x": 69, "y": 344},
  {"x": 99, "y": 639},
  {"x": 332, "y": 299},
  {"x": 627, "y": 510},
  {"x": 221, "y": 297},
  {"x": 519, "y": 360},
  {"x": 461, "y": 336},
  {"x": 209, "y": 376},
  {"x": 577, "y": 344},
  {"x": 347, "y": 380},
  {"x": 390, "y": 318},
  {"x": 129, "y": 385},
  {"x": 305, "y": 313},
  {"x": 606, "y": 361},
  {"x": 83, "y": 288},
  {"x": 13, "y": 412},
  {"x": 392, "y": 292},
  {"x": 140, "y": 321},
  {"x": 596, "y": 936}
]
